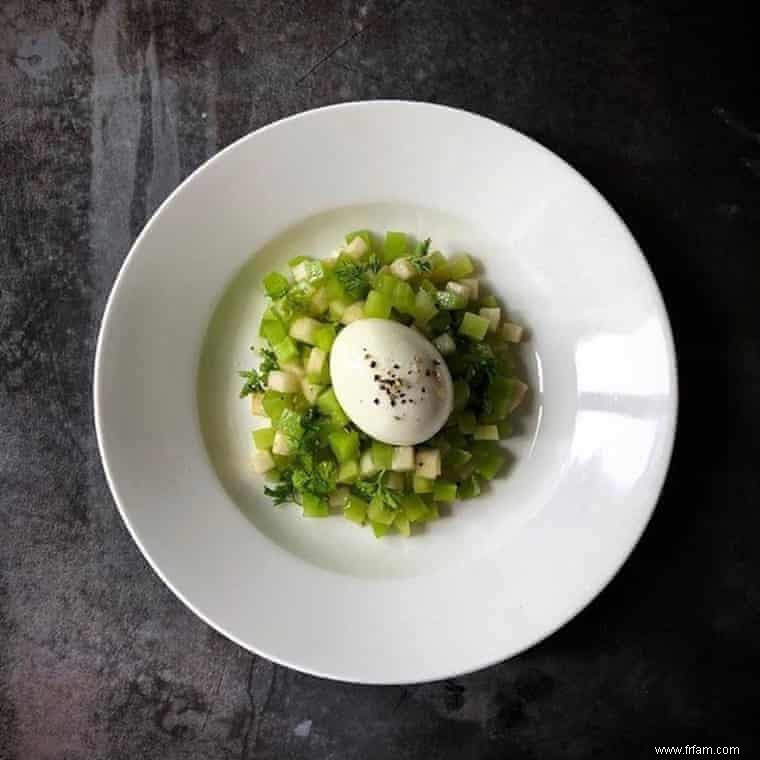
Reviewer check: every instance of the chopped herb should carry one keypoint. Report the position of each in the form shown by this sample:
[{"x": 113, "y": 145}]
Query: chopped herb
[
  {"x": 368, "y": 489},
  {"x": 351, "y": 276}
]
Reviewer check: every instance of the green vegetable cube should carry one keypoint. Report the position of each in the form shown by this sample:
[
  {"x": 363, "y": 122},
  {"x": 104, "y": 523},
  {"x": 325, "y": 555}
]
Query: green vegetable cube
[
  {"x": 296, "y": 260},
  {"x": 316, "y": 366},
  {"x": 379, "y": 529},
  {"x": 273, "y": 330},
  {"x": 386, "y": 283},
  {"x": 444, "y": 490},
  {"x": 486, "y": 433},
  {"x": 276, "y": 284},
  {"x": 396, "y": 246},
  {"x": 324, "y": 337},
  {"x": 345, "y": 445},
  {"x": 474, "y": 326},
  {"x": 378, "y": 305},
  {"x": 456, "y": 268},
  {"x": 403, "y": 298},
  {"x": 414, "y": 508},
  {"x": 314, "y": 506},
  {"x": 363, "y": 234},
  {"x": 303, "y": 329},
  {"x": 380, "y": 512},
  {"x": 275, "y": 403},
  {"x": 286, "y": 351},
  {"x": 422, "y": 485},
  {"x": 348, "y": 472},
  {"x": 328, "y": 404},
  {"x": 382, "y": 454},
  {"x": 450, "y": 301},
  {"x": 402, "y": 525},
  {"x": 264, "y": 438},
  {"x": 355, "y": 510},
  {"x": 469, "y": 488},
  {"x": 338, "y": 307},
  {"x": 424, "y": 307}
]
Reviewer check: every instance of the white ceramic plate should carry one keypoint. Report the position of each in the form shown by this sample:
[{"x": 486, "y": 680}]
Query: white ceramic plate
[{"x": 501, "y": 572}]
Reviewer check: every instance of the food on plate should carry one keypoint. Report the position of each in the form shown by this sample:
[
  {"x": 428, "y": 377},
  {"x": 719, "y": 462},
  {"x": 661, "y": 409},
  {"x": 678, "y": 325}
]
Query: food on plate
[{"x": 387, "y": 381}]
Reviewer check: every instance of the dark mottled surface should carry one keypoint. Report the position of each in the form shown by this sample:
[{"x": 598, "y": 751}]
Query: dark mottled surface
[{"x": 106, "y": 105}]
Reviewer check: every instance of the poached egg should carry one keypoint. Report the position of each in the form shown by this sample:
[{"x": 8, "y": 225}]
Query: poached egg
[{"x": 391, "y": 381}]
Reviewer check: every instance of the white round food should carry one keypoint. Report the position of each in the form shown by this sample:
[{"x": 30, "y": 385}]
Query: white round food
[{"x": 391, "y": 381}]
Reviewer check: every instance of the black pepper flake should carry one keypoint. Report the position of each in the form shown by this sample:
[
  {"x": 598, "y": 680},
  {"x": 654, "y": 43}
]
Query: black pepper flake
[
  {"x": 436, "y": 362},
  {"x": 424, "y": 389},
  {"x": 373, "y": 364},
  {"x": 393, "y": 402},
  {"x": 376, "y": 401},
  {"x": 376, "y": 378},
  {"x": 427, "y": 373},
  {"x": 395, "y": 366},
  {"x": 396, "y": 418}
]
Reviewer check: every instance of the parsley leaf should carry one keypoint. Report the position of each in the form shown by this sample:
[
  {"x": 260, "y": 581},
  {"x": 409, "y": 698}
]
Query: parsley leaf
[
  {"x": 255, "y": 380},
  {"x": 419, "y": 258},
  {"x": 374, "y": 265},
  {"x": 369, "y": 489},
  {"x": 281, "y": 491}
]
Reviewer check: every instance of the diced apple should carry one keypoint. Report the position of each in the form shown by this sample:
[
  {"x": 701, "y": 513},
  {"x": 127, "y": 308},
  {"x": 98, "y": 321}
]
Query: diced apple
[
  {"x": 283, "y": 382},
  {"x": 428, "y": 463},
  {"x": 402, "y": 459},
  {"x": 473, "y": 284},
  {"x": 520, "y": 389},
  {"x": 354, "y": 311},
  {"x": 257, "y": 406},
  {"x": 403, "y": 269},
  {"x": 303, "y": 329},
  {"x": 319, "y": 302},
  {"x": 394, "y": 481},
  {"x": 445, "y": 344},
  {"x": 367, "y": 466},
  {"x": 493, "y": 315},
  {"x": 293, "y": 368},
  {"x": 301, "y": 271},
  {"x": 262, "y": 461},
  {"x": 282, "y": 445},
  {"x": 316, "y": 365},
  {"x": 311, "y": 390},
  {"x": 458, "y": 289},
  {"x": 339, "y": 497},
  {"x": 356, "y": 248},
  {"x": 511, "y": 332}
]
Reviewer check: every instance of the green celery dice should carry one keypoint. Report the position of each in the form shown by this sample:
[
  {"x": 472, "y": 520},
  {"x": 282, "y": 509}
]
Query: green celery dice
[
  {"x": 273, "y": 330},
  {"x": 380, "y": 512},
  {"x": 328, "y": 404},
  {"x": 402, "y": 525},
  {"x": 386, "y": 283},
  {"x": 379, "y": 529},
  {"x": 403, "y": 298},
  {"x": 345, "y": 445},
  {"x": 275, "y": 404},
  {"x": 286, "y": 350},
  {"x": 377, "y": 305},
  {"x": 276, "y": 284},
  {"x": 396, "y": 246},
  {"x": 444, "y": 490},
  {"x": 348, "y": 472},
  {"x": 263, "y": 438},
  {"x": 469, "y": 488},
  {"x": 313, "y": 506},
  {"x": 415, "y": 508},
  {"x": 424, "y": 307},
  {"x": 355, "y": 510},
  {"x": 422, "y": 485},
  {"x": 324, "y": 337},
  {"x": 450, "y": 301},
  {"x": 363, "y": 234},
  {"x": 474, "y": 326},
  {"x": 382, "y": 454}
]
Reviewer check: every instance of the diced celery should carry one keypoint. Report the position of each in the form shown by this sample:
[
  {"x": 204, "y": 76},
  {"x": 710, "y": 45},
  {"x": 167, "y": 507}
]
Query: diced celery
[
  {"x": 486, "y": 433},
  {"x": 294, "y": 366},
  {"x": 345, "y": 445},
  {"x": 450, "y": 301},
  {"x": 517, "y": 394},
  {"x": 396, "y": 246},
  {"x": 444, "y": 490},
  {"x": 380, "y": 512},
  {"x": 284, "y": 310},
  {"x": 458, "y": 290},
  {"x": 273, "y": 330},
  {"x": 456, "y": 267},
  {"x": 356, "y": 510},
  {"x": 461, "y": 395},
  {"x": 469, "y": 487},
  {"x": 263, "y": 438},
  {"x": 414, "y": 507},
  {"x": 378, "y": 305},
  {"x": 286, "y": 350},
  {"x": 303, "y": 329},
  {"x": 296, "y": 260},
  {"x": 324, "y": 336},
  {"x": 328, "y": 404},
  {"x": 290, "y": 423},
  {"x": 275, "y": 404},
  {"x": 311, "y": 390},
  {"x": 276, "y": 284},
  {"x": 386, "y": 283},
  {"x": 505, "y": 428},
  {"x": 489, "y": 301},
  {"x": 403, "y": 298},
  {"x": 473, "y": 285},
  {"x": 333, "y": 288},
  {"x": 432, "y": 513},
  {"x": 320, "y": 302},
  {"x": 488, "y": 458},
  {"x": 379, "y": 529},
  {"x": 422, "y": 485},
  {"x": 474, "y": 326},
  {"x": 424, "y": 307},
  {"x": 348, "y": 472},
  {"x": 356, "y": 248},
  {"x": 338, "y": 498},
  {"x": 382, "y": 454},
  {"x": 308, "y": 271},
  {"x": 313, "y": 506},
  {"x": 467, "y": 422},
  {"x": 511, "y": 332},
  {"x": 403, "y": 269},
  {"x": 401, "y": 524}
]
